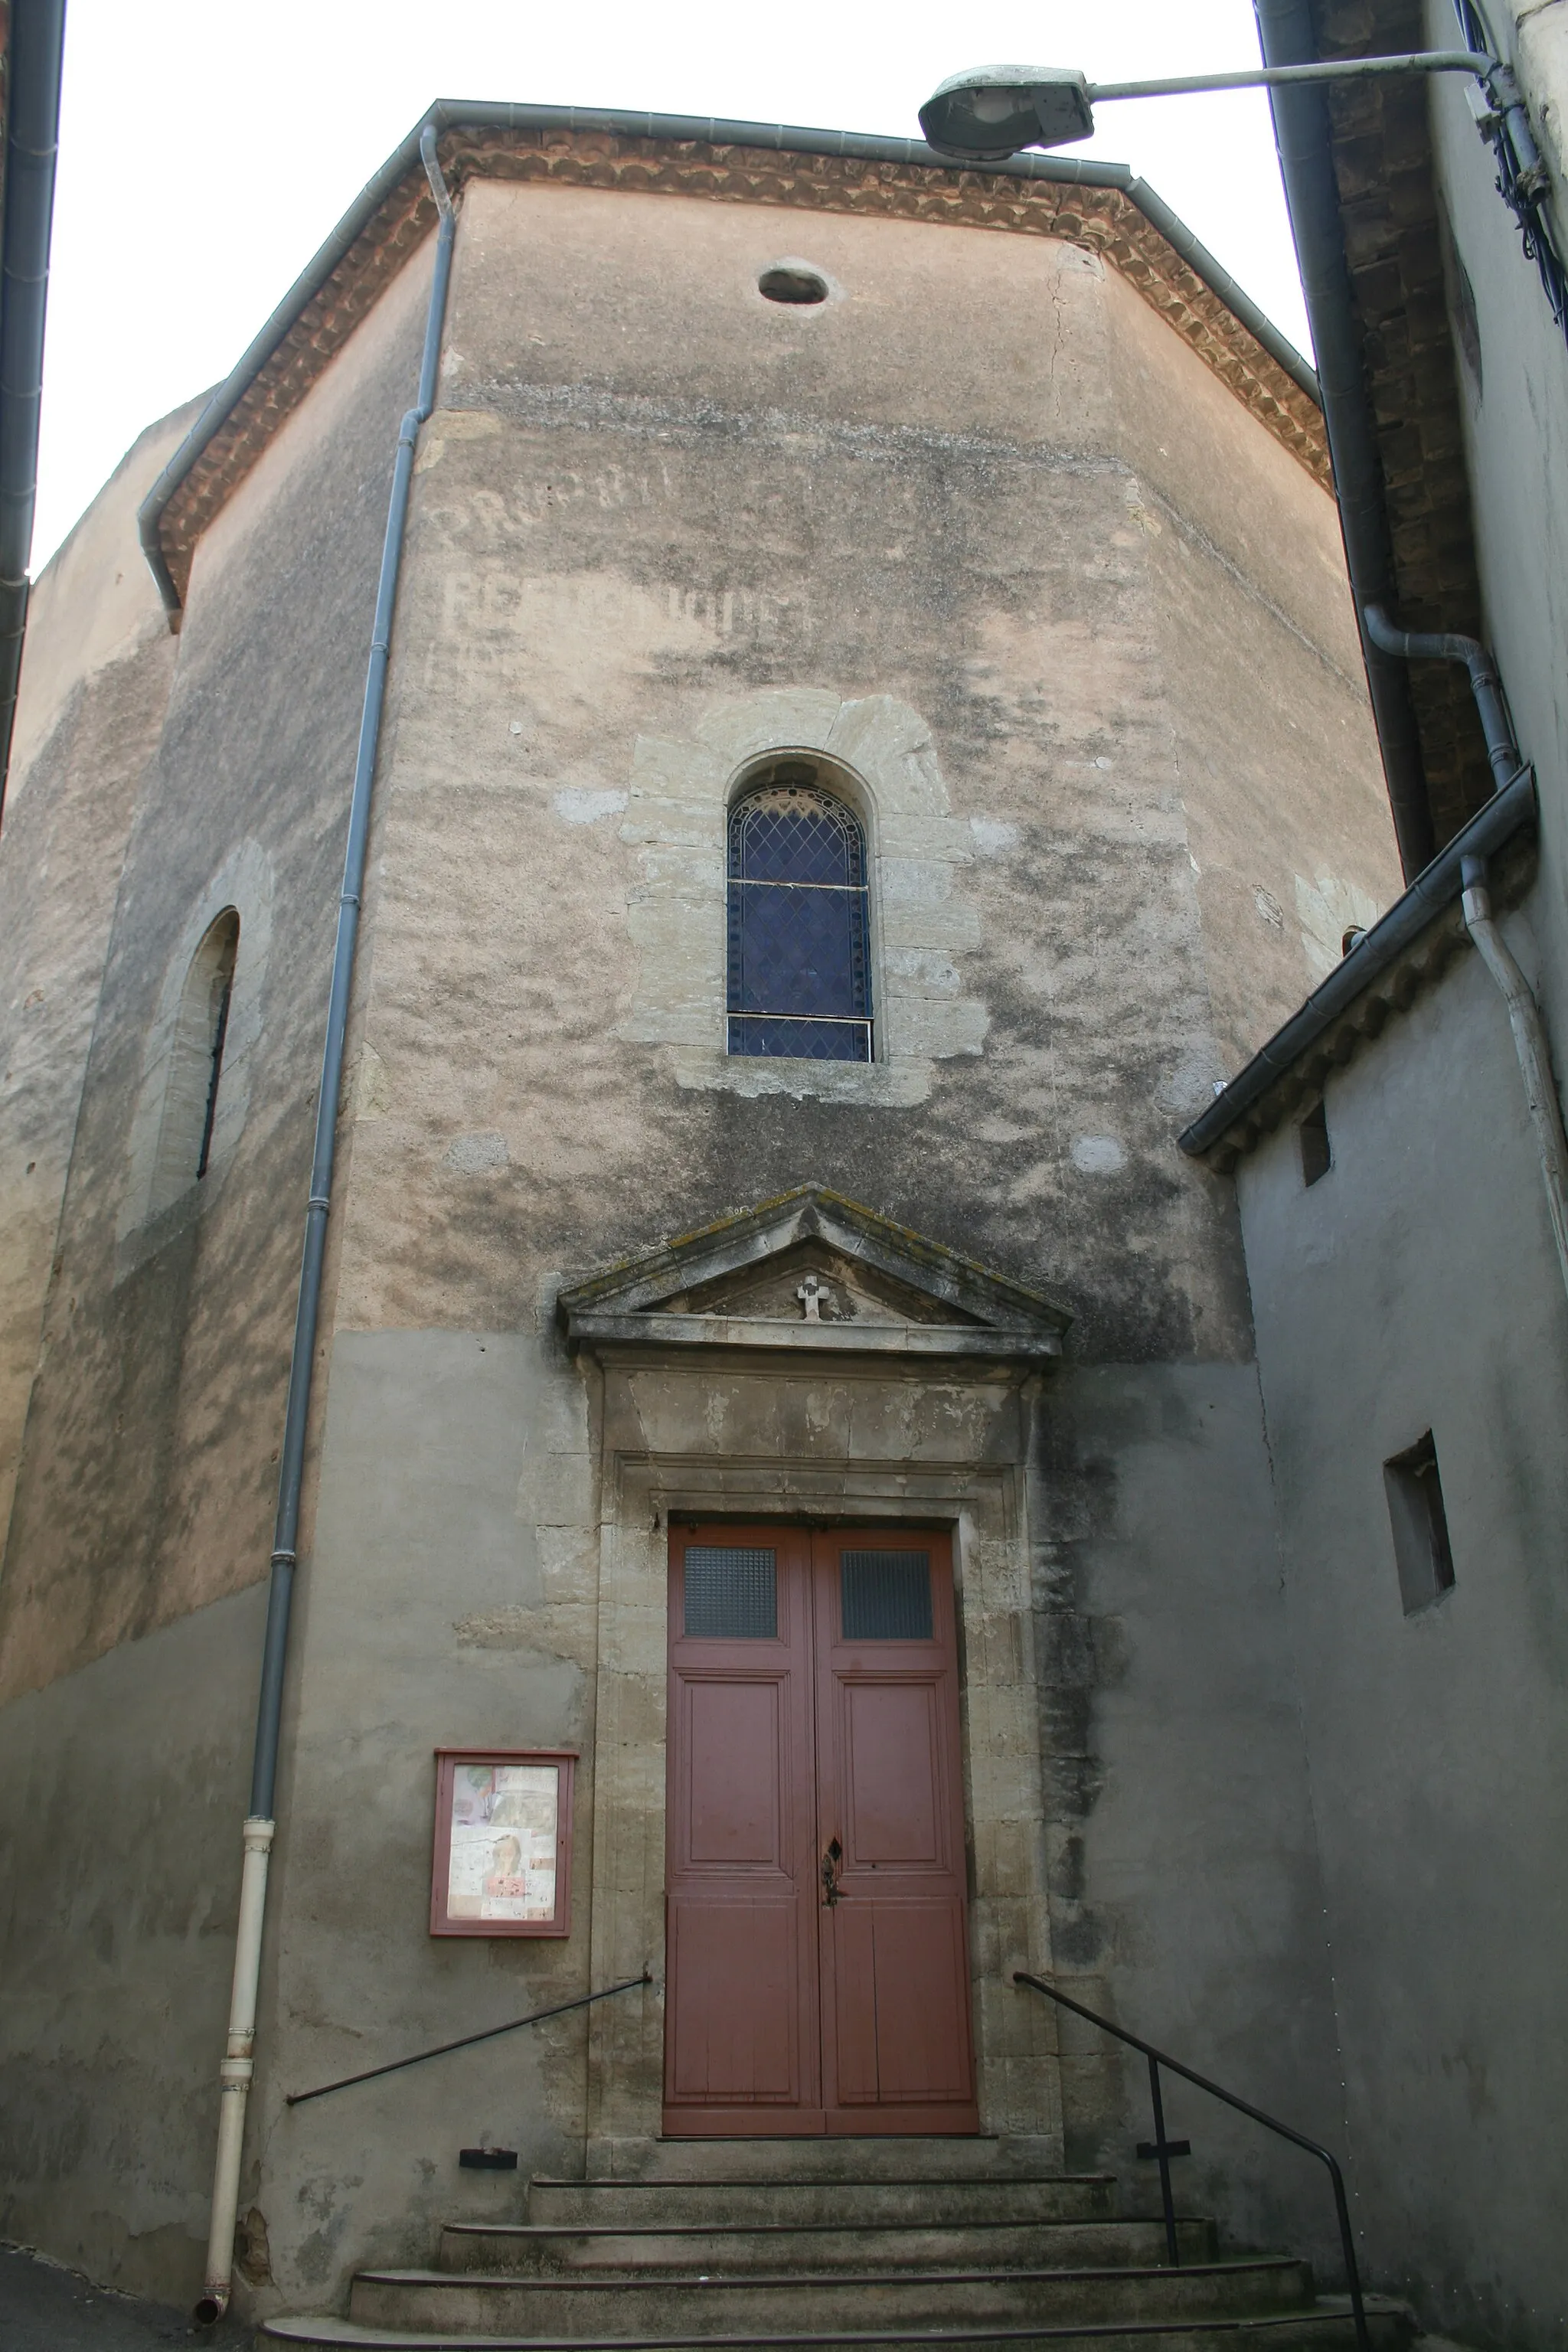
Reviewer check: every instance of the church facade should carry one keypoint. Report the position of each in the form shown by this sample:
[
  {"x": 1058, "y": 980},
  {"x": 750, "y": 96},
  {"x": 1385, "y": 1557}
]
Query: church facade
[{"x": 874, "y": 738}]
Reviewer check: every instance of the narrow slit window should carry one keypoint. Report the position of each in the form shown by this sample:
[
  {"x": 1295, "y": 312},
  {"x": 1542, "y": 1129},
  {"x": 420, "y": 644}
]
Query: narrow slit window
[
  {"x": 1421, "y": 1550},
  {"x": 1316, "y": 1158},
  {"x": 799, "y": 923},
  {"x": 189, "y": 1127},
  {"x": 730, "y": 1593},
  {"x": 885, "y": 1596}
]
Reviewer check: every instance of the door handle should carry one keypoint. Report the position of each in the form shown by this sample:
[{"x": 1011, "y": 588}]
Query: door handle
[{"x": 831, "y": 1890}]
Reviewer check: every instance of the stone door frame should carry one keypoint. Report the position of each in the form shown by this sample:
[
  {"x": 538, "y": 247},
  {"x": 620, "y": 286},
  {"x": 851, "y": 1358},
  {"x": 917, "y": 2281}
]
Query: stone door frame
[{"x": 937, "y": 1446}]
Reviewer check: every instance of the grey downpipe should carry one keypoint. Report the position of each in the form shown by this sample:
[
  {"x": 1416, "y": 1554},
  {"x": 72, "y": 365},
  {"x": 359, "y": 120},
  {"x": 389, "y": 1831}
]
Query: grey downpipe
[
  {"x": 1529, "y": 1039},
  {"x": 1485, "y": 684},
  {"x": 32, "y": 136},
  {"x": 1306, "y": 165},
  {"x": 238, "y": 2068}
]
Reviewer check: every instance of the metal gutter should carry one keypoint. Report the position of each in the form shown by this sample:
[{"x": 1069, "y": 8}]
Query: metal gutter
[
  {"x": 1509, "y": 813},
  {"x": 1311, "y": 195},
  {"x": 32, "y": 134},
  {"x": 715, "y": 130}
]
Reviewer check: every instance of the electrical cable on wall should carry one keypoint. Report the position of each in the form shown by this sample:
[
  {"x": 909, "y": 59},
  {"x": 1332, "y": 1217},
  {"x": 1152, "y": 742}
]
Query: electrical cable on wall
[{"x": 1523, "y": 181}]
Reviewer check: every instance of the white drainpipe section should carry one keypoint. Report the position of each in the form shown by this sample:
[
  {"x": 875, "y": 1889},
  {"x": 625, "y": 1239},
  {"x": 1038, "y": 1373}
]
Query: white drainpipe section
[
  {"x": 238, "y": 2065},
  {"x": 1530, "y": 1044}
]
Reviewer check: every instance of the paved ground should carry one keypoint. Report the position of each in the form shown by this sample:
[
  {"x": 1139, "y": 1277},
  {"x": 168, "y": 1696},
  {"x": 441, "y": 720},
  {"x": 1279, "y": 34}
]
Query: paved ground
[{"x": 46, "y": 2309}]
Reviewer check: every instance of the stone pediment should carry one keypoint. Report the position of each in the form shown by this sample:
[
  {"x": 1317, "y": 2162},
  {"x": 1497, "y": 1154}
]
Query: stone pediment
[{"x": 813, "y": 1271}]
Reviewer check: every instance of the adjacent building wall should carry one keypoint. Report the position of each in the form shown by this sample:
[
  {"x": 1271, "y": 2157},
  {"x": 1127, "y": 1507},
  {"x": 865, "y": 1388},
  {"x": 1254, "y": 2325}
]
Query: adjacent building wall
[{"x": 1413, "y": 1288}]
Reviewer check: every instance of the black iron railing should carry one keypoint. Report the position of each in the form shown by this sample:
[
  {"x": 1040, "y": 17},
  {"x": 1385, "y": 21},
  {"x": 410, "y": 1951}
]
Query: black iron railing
[
  {"x": 1163, "y": 2150},
  {"x": 466, "y": 2041}
]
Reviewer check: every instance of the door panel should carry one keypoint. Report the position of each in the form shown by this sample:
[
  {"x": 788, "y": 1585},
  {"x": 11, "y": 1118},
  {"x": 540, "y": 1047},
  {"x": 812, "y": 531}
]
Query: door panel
[
  {"x": 814, "y": 1707},
  {"x": 742, "y": 2036},
  {"x": 895, "y": 1973}
]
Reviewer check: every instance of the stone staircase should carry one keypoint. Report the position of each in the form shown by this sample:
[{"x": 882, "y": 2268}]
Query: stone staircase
[{"x": 780, "y": 2245}]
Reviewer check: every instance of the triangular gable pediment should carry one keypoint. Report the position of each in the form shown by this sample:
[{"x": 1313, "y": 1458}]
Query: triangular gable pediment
[{"x": 813, "y": 1271}]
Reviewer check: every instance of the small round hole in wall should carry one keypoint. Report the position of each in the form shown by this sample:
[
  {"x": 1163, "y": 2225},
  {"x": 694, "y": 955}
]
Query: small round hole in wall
[{"x": 790, "y": 281}]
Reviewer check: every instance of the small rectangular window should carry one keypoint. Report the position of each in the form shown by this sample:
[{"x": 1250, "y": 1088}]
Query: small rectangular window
[
  {"x": 885, "y": 1596},
  {"x": 1421, "y": 1546},
  {"x": 1316, "y": 1157},
  {"x": 730, "y": 1593}
]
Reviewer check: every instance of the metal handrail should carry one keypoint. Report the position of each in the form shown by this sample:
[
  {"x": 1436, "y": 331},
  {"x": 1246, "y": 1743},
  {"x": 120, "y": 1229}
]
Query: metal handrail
[
  {"x": 396, "y": 2065},
  {"x": 1163, "y": 2149}
]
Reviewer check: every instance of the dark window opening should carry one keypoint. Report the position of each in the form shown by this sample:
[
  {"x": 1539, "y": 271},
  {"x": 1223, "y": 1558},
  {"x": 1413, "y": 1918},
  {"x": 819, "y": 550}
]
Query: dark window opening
[
  {"x": 1422, "y": 1551},
  {"x": 214, "y": 974},
  {"x": 799, "y": 923},
  {"x": 791, "y": 286},
  {"x": 1316, "y": 1157}
]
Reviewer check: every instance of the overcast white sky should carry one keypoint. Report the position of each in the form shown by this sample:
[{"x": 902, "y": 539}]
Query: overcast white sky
[{"x": 206, "y": 150}]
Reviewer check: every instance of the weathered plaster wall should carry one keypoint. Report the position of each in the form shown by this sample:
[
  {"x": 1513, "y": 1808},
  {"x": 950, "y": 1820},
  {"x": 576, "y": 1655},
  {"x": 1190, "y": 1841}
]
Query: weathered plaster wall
[
  {"x": 122, "y": 1789},
  {"x": 142, "y": 1512},
  {"x": 655, "y": 498},
  {"x": 660, "y": 529},
  {"x": 94, "y": 684},
  {"x": 148, "y": 1482},
  {"x": 1413, "y": 1288}
]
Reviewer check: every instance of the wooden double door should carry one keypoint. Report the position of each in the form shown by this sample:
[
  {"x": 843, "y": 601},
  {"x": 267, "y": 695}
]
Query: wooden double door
[{"x": 817, "y": 1964}]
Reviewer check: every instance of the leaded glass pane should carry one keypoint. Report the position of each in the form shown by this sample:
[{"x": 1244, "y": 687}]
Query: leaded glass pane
[
  {"x": 885, "y": 1596},
  {"x": 730, "y": 1593},
  {"x": 799, "y": 928}
]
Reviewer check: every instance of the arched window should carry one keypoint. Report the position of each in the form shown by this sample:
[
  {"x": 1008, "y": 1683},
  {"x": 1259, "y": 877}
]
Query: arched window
[
  {"x": 800, "y": 946},
  {"x": 195, "y": 1061}
]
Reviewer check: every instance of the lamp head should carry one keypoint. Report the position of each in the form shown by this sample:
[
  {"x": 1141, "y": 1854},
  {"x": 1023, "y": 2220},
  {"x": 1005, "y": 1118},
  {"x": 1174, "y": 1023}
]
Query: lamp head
[{"x": 988, "y": 113}]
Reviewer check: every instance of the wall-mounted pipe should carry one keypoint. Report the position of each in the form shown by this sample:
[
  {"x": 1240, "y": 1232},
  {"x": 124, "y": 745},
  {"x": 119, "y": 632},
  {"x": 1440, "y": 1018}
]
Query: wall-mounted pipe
[
  {"x": 32, "y": 133},
  {"x": 239, "y": 2065},
  {"x": 1485, "y": 684},
  {"x": 1531, "y": 1044},
  {"x": 1529, "y": 1039}
]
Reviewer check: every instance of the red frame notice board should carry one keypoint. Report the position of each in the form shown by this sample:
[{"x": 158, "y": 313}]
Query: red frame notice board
[{"x": 503, "y": 1863}]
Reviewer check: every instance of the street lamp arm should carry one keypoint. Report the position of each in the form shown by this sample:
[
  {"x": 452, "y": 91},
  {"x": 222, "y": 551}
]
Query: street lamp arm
[{"x": 1470, "y": 61}]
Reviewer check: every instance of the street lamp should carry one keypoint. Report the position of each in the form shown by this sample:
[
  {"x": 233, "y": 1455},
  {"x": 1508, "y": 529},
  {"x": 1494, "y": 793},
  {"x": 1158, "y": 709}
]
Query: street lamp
[{"x": 990, "y": 113}]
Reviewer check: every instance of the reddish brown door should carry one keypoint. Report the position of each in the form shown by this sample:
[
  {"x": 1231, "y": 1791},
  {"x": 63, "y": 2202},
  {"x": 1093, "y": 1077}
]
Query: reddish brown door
[{"x": 817, "y": 1959}]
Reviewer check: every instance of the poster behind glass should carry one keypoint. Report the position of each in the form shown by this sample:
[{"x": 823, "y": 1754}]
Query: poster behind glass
[{"x": 502, "y": 1843}]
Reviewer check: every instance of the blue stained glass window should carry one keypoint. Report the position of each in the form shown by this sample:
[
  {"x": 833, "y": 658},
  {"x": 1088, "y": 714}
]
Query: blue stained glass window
[{"x": 800, "y": 962}]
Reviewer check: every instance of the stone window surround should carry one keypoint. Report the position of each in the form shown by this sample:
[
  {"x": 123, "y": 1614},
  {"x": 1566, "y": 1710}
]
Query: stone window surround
[
  {"x": 851, "y": 1459},
  {"x": 148, "y": 1216},
  {"x": 879, "y": 754}
]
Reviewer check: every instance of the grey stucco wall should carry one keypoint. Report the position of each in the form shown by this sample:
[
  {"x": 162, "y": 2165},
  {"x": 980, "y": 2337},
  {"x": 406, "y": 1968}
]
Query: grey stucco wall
[
  {"x": 433, "y": 1614},
  {"x": 120, "y": 1788},
  {"x": 655, "y": 519},
  {"x": 1413, "y": 1288},
  {"x": 1185, "y": 1897}
]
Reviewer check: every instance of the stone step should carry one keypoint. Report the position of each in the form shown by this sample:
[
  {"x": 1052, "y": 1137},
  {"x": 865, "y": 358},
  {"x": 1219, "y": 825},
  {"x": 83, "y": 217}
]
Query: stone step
[
  {"x": 1325, "y": 2326},
  {"x": 813, "y": 2246},
  {"x": 594, "y": 2309},
  {"x": 939, "y": 2201},
  {"x": 968, "y": 2156}
]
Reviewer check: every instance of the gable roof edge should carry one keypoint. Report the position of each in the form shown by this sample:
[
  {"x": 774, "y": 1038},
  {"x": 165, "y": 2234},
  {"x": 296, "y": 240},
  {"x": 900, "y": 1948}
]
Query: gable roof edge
[{"x": 449, "y": 115}]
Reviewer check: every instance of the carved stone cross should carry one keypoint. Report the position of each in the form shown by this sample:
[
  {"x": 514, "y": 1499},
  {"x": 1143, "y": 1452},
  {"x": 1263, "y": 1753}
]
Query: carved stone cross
[{"x": 811, "y": 1295}]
